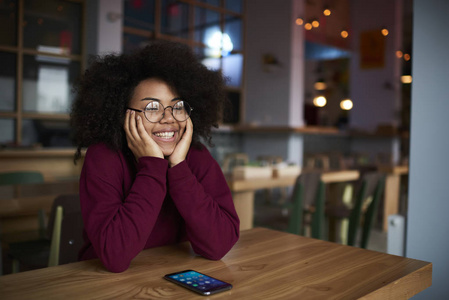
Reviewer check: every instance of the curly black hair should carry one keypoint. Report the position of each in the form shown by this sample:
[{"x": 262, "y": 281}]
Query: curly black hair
[{"x": 103, "y": 92}]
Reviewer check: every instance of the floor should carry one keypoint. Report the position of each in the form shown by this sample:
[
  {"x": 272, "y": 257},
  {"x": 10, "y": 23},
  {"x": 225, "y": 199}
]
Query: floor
[{"x": 273, "y": 216}]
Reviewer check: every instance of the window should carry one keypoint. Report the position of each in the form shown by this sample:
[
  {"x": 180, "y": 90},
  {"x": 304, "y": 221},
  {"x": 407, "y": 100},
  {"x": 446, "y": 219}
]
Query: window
[
  {"x": 41, "y": 56},
  {"x": 213, "y": 28}
]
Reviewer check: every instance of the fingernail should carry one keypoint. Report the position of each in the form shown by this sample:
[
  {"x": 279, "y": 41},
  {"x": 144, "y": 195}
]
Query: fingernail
[
  {"x": 132, "y": 112},
  {"x": 138, "y": 117}
]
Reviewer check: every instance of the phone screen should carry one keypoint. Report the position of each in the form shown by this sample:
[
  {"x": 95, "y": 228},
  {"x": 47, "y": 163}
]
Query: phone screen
[{"x": 198, "y": 282}]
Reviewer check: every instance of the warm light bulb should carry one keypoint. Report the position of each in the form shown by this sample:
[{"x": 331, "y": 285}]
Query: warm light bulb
[
  {"x": 399, "y": 54},
  {"x": 384, "y": 31},
  {"x": 319, "y": 101},
  {"x": 299, "y": 21},
  {"x": 320, "y": 85},
  {"x": 407, "y": 57},
  {"x": 308, "y": 26},
  {"x": 327, "y": 12},
  {"x": 344, "y": 34},
  {"x": 406, "y": 79},
  {"x": 346, "y": 104},
  {"x": 315, "y": 23}
]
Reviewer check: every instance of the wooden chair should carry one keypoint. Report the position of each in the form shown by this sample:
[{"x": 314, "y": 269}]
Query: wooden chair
[
  {"x": 62, "y": 243},
  {"x": 21, "y": 177},
  {"x": 308, "y": 200},
  {"x": 370, "y": 188}
]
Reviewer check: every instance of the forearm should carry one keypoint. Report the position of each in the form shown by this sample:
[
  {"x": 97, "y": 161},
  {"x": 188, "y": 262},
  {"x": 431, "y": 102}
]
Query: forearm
[
  {"x": 119, "y": 224},
  {"x": 212, "y": 225}
]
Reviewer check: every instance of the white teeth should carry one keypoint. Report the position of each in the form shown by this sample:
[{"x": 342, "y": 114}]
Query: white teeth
[{"x": 165, "y": 135}]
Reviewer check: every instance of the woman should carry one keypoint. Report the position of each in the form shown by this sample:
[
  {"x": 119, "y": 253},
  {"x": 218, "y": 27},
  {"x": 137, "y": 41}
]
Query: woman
[{"x": 147, "y": 181}]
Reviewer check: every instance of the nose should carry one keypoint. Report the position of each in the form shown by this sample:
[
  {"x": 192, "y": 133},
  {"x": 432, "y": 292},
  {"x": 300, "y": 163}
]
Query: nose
[{"x": 168, "y": 117}]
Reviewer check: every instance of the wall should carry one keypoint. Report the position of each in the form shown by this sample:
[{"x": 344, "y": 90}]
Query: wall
[
  {"x": 104, "y": 23},
  {"x": 274, "y": 93},
  {"x": 270, "y": 92},
  {"x": 428, "y": 222},
  {"x": 376, "y": 91}
]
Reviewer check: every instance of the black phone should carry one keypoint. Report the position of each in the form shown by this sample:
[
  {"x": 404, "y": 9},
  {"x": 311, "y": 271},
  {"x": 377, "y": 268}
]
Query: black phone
[{"x": 198, "y": 282}]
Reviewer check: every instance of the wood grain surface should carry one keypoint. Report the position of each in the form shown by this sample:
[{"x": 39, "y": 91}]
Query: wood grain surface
[{"x": 264, "y": 264}]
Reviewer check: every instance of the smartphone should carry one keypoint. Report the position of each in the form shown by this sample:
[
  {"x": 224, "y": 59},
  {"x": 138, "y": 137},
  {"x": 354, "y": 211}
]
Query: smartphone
[{"x": 198, "y": 282}]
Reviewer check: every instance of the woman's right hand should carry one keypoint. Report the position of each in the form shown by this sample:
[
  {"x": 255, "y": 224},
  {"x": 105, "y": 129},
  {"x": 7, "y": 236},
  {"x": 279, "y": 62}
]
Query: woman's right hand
[{"x": 139, "y": 141}]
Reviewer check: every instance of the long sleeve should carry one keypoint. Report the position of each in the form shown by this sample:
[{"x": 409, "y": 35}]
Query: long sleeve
[
  {"x": 118, "y": 221},
  {"x": 200, "y": 192}
]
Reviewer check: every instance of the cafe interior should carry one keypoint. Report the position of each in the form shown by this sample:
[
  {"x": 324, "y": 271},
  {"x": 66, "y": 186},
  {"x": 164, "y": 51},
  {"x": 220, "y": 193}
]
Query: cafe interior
[{"x": 317, "y": 140}]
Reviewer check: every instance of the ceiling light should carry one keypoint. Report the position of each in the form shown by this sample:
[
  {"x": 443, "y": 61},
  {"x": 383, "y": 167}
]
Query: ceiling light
[
  {"x": 319, "y": 101},
  {"x": 346, "y": 104}
]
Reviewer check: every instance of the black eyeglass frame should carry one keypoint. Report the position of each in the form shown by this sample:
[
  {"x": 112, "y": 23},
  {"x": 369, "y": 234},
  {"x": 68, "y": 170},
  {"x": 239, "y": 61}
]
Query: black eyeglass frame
[{"x": 163, "y": 114}]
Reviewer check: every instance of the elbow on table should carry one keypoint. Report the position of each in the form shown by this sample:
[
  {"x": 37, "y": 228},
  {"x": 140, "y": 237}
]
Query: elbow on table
[
  {"x": 219, "y": 252},
  {"x": 115, "y": 266}
]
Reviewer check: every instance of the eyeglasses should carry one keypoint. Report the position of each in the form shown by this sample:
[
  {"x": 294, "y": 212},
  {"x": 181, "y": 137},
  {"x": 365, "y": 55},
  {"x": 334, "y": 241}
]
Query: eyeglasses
[{"x": 155, "y": 111}]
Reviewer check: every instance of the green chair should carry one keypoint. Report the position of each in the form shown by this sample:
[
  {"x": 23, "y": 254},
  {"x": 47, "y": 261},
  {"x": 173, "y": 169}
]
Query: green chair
[
  {"x": 21, "y": 177},
  {"x": 62, "y": 242},
  {"x": 25, "y": 177},
  {"x": 370, "y": 189},
  {"x": 308, "y": 199}
]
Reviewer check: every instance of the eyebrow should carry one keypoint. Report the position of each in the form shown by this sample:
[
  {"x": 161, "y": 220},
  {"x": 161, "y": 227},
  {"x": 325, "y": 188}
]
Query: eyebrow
[{"x": 155, "y": 99}]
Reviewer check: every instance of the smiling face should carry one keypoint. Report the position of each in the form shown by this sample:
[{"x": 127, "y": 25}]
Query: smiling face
[{"x": 168, "y": 131}]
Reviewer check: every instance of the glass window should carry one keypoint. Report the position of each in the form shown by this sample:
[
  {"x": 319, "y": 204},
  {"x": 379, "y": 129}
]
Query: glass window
[
  {"x": 7, "y": 132},
  {"x": 8, "y": 19},
  {"x": 232, "y": 113},
  {"x": 234, "y": 5},
  {"x": 133, "y": 42},
  {"x": 233, "y": 28},
  {"x": 47, "y": 83},
  {"x": 139, "y": 14},
  {"x": 211, "y": 2},
  {"x": 52, "y": 25},
  {"x": 7, "y": 81},
  {"x": 207, "y": 57},
  {"x": 232, "y": 68},
  {"x": 207, "y": 25},
  {"x": 47, "y": 133},
  {"x": 175, "y": 18}
]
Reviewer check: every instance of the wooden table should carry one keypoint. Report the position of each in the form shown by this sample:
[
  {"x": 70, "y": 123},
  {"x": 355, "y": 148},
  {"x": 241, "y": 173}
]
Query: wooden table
[
  {"x": 243, "y": 191},
  {"x": 264, "y": 264}
]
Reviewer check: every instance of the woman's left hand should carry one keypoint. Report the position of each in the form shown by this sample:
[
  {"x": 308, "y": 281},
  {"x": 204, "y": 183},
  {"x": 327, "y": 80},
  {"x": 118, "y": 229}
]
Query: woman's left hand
[{"x": 181, "y": 149}]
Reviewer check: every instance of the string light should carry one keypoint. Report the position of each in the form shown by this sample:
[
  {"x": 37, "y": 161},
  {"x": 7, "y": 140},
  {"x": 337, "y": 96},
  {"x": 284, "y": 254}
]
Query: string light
[
  {"x": 384, "y": 31},
  {"x": 327, "y": 12},
  {"x": 399, "y": 54},
  {"x": 407, "y": 57},
  {"x": 344, "y": 34},
  {"x": 308, "y": 26},
  {"x": 299, "y": 21},
  {"x": 315, "y": 23}
]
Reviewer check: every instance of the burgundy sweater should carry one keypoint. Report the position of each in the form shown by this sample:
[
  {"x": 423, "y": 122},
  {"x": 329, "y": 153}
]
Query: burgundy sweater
[{"x": 129, "y": 208}]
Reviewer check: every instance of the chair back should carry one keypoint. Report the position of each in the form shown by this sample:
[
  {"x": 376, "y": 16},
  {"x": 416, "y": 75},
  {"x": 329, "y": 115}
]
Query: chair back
[
  {"x": 371, "y": 184},
  {"x": 21, "y": 177},
  {"x": 309, "y": 193},
  {"x": 65, "y": 229}
]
